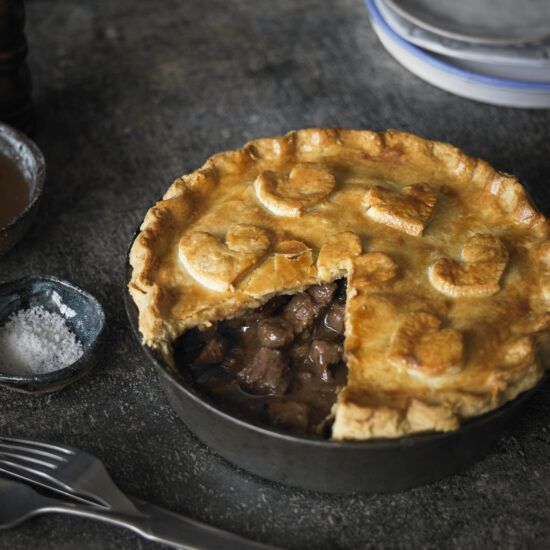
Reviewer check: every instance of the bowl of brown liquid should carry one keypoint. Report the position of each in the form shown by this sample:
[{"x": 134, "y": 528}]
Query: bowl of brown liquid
[{"x": 22, "y": 174}]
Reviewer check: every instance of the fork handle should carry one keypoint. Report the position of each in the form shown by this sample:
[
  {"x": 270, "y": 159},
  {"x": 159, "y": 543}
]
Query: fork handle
[
  {"x": 162, "y": 526},
  {"x": 171, "y": 528}
]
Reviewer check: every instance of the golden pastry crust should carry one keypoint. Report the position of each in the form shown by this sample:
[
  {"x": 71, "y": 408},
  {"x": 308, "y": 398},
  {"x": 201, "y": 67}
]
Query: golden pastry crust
[
  {"x": 408, "y": 211},
  {"x": 305, "y": 186},
  {"x": 218, "y": 265},
  {"x": 423, "y": 349},
  {"x": 485, "y": 258},
  {"x": 440, "y": 251}
]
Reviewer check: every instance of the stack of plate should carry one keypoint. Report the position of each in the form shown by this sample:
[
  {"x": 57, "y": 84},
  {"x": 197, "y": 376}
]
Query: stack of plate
[{"x": 495, "y": 51}]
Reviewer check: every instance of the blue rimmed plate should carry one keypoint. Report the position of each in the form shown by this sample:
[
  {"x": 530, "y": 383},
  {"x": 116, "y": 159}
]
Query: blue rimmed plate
[
  {"x": 442, "y": 73},
  {"x": 531, "y": 57},
  {"x": 481, "y": 21}
]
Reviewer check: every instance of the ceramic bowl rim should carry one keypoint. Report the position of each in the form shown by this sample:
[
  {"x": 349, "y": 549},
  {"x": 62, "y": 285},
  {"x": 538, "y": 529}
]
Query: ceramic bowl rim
[
  {"x": 12, "y": 136},
  {"x": 72, "y": 371}
]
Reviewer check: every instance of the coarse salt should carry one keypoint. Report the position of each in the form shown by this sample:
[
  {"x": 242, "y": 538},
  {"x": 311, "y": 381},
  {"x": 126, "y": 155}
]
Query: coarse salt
[{"x": 36, "y": 341}]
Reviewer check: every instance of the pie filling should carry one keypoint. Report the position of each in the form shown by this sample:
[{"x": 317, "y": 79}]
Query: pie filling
[{"x": 281, "y": 364}]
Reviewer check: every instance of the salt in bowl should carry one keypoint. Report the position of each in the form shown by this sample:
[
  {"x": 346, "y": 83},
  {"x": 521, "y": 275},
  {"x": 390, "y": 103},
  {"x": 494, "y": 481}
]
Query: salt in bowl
[{"x": 82, "y": 313}]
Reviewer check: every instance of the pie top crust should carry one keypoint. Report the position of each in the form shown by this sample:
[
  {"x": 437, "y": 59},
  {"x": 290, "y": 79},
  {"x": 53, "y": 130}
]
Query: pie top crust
[{"x": 447, "y": 265}]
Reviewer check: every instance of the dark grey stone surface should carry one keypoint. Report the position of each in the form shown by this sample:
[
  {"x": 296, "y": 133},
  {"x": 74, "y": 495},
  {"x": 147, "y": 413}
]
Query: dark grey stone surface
[{"x": 130, "y": 95}]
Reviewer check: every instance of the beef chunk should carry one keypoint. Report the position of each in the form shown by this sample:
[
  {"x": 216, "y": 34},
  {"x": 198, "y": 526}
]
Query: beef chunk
[
  {"x": 252, "y": 316},
  {"x": 335, "y": 317},
  {"x": 270, "y": 308},
  {"x": 301, "y": 311},
  {"x": 275, "y": 332},
  {"x": 299, "y": 352},
  {"x": 292, "y": 415},
  {"x": 249, "y": 335},
  {"x": 207, "y": 333},
  {"x": 266, "y": 372},
  {"x": 212, "y": 352},
  {"x": 323, "y": 294},
  {"x": 323, "y": 355},
  {"x": 229, "y": 362}
]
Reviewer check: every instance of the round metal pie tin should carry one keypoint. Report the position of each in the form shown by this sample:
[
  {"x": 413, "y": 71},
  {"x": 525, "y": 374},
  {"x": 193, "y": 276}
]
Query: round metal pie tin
[{"x": 374, "y": 466}]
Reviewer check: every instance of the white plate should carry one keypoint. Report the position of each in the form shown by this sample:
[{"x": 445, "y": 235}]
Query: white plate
[
  {"x": 449, "y": 77},
  {"x": 531, "y": 54},
  {"x": 488, "y": 21},
  {"x": 500, "y": 70}
]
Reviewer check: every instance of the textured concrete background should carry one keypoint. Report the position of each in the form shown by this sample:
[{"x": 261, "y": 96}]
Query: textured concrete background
[{"x": 130, "y": 95}]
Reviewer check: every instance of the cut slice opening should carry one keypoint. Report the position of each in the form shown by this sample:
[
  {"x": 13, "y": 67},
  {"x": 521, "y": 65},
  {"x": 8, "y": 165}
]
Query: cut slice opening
[{"x": 281, "y": 364}]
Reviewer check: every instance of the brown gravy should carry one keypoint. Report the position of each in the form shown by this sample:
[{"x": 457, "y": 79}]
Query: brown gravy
[{"x": 14, "y": 191}]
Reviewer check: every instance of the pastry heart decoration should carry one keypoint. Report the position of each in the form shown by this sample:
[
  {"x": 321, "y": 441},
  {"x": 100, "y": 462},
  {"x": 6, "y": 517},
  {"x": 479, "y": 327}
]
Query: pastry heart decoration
[
  {"x": 372, "y": 270},
  {"x": 519, "y": 352},
  {"x": 307, "y": 185},
  {"x": 408, "y": 211},
  {"x": 423, "y": 349},
  {"x": 485, "y": 258},
  {"x": 218, "y": 265},
  {"x": 288, "y": 267}
]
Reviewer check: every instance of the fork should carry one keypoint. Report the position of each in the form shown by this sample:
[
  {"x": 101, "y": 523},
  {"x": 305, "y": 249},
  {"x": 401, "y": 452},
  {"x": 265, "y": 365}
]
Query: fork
[
  {"x": 83, "y": 477},
  {"x": 25, "y": 502},
  {"x": 68, "y": 469}
]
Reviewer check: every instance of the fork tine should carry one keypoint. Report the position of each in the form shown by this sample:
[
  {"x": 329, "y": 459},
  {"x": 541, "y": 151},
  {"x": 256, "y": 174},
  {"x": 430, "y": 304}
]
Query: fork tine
[
  {"x": 30, "y": 454},
  {"x": 29, "y": 477},
  {"x": 72, "y": 470},
  {"x": 39, "y": 477},
  {"x": 11, "y": 462},
  {"x": 29, "y": 459},
  {"x": 37, "y": 446}
]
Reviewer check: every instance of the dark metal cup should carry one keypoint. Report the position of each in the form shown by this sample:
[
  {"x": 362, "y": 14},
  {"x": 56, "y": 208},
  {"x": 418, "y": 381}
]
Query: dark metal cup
[{"x": 15, "y": 78}]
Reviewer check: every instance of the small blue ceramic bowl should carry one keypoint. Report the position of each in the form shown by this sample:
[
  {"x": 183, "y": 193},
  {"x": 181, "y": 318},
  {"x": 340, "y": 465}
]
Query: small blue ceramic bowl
[{"x": 86, "y": 321}]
